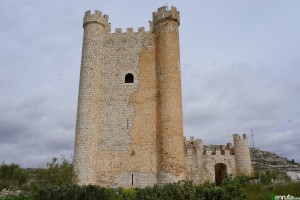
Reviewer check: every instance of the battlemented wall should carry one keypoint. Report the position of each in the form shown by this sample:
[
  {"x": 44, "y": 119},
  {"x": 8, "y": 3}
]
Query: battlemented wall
[
  {"x": 220, "y": 154},
  {"x": 130, "y": 133},
  {"x": 194, "y": 159},
  {"x": 202, "y": 160}
]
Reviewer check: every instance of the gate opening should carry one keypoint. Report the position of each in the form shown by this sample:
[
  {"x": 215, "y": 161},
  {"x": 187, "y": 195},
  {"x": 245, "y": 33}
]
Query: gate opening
[{"x": 220, "y": 173}]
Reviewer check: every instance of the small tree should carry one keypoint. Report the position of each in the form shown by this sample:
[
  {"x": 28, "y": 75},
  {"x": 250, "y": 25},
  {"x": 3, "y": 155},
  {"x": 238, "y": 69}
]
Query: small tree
[{"x": 293, "y": 161}]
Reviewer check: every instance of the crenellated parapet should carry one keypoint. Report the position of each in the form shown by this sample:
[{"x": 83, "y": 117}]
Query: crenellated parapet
[
  {"x": 97, "y": 17},
  {"x": 129, "y": 30},
  {"x": 219, "y": 150},
  {"x": 238, "y": 137},
  {"x": 193, "y": 146},
  {"x": 163, "y": 13}
]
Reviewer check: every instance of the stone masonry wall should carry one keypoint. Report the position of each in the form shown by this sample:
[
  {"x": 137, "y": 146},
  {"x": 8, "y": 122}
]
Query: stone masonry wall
[
  {"x": 201, "y": 160},
  {"x": 194, "y": 159},
  {"x": 127, "y": 145},
  {"x": 219, "y": 155}
]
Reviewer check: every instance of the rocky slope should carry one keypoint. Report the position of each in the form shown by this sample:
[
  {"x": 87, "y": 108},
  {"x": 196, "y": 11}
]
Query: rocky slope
[{"x": 271, "y": 161}]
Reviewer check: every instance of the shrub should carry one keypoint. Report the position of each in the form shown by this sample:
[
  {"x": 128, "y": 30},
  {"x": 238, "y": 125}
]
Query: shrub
[
  {"x": 128, "y": 194},
  {"x": 58, "y": 173},
  {"x": 21, "y": 197},
  {"x": 149, "y": 193},
  {"x": 233, "y": 187},
  {"x": 208, "y": 191},
  {"x": 75, "y": 192},
  {"x": 12, "y": 176},
  {"x": 269, "y": 176}
]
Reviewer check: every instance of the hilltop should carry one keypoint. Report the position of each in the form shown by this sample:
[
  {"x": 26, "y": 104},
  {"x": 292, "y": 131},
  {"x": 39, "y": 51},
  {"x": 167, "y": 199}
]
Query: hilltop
[{"x": 271, "y": 161}]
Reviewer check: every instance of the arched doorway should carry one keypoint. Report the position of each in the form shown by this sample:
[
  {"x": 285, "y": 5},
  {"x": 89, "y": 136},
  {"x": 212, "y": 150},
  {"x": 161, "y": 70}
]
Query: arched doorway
[{"x": 220, "y": 173}]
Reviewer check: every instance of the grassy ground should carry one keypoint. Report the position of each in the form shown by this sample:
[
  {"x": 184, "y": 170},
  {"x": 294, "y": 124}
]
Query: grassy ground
[{"x": 262, "y": 192}]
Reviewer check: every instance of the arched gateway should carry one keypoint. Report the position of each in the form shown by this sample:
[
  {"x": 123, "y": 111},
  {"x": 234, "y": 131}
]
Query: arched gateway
[{"x": 220, "y": 173}]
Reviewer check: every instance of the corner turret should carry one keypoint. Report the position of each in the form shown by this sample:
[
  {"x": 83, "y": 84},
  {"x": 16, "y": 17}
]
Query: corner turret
[
  {"x": 242, "y": 155},
  {"x": 163, "y": 13},
  {"x": 89, "y": 98},
  {"x": 169, "y": 103},
  {"x": 193, "y": 146},
  {"x": 97, "y": 17}
]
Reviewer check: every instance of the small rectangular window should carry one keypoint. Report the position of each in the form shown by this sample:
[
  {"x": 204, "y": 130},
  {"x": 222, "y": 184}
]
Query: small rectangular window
[
  {"x": 131, "y": 179},
  {"x": 127, "y": 123}
]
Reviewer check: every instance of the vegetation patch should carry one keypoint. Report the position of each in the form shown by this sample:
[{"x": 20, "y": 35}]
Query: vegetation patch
[{"x": 57, "y": 182}]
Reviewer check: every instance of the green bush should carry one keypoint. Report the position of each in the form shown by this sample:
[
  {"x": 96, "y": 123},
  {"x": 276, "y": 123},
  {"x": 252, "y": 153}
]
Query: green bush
[
  {"x": 148, "y": 193},
  {"x": 182, "y": 190},
  {"x": 57, "y": 173},
  {"x": 128, "y": 194},
  {"x": 20, "y": 197},
  {"x": 269, "y": 176},
  {"x": 75, "y": 192},
  {"x": 12, "y": 176},
  {"x": 208, "y": 191},
  {"x": 57, "y": 182},
  {"x": 232, "y": 188}
]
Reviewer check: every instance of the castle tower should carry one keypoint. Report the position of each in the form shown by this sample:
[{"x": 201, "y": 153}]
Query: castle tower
[
  {"x": 88, "y": 111},
  {"x": 242, "y": 155},
  {"x": 194, "y": 159},
  {"x": 169, "y": 103}
]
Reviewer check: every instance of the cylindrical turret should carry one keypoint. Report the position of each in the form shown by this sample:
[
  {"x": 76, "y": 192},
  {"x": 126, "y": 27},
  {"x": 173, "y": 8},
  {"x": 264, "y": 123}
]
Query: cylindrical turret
[
  {"x": 88, "y": 111},
  {"x": 242, "y": 155},
  {"x": 170, "y": 128}
]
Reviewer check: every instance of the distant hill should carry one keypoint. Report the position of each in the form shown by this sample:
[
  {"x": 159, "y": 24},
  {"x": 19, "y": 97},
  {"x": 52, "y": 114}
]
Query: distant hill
[{"x": 271, "y": 161}]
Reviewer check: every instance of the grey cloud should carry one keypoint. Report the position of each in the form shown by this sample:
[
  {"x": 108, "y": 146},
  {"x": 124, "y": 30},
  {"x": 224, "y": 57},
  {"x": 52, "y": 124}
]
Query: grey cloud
[
  {"x": 37, "y": 126},
  {"x": 241, "y": 97},
  {"x": 239, "y": 72}
]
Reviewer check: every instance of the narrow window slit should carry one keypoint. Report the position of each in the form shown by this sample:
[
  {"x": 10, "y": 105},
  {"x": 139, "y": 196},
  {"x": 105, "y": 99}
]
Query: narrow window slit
[
  {"x": 131, "y": 179},
  {"x": 127, "y": 123}
]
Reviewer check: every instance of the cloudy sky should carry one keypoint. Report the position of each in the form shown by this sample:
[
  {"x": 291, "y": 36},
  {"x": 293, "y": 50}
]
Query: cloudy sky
[{"x": 240, "y": 65}]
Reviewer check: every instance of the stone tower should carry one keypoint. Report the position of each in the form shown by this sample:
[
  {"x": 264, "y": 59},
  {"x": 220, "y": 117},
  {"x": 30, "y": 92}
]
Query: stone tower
[
  {"x": 170, "y": 127},
  {"x": 89, "y": 100},
  {"x": 129, "y": 121},
  {"x": 242, "y": 155},
  {"x": 129, "y": 130}
]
